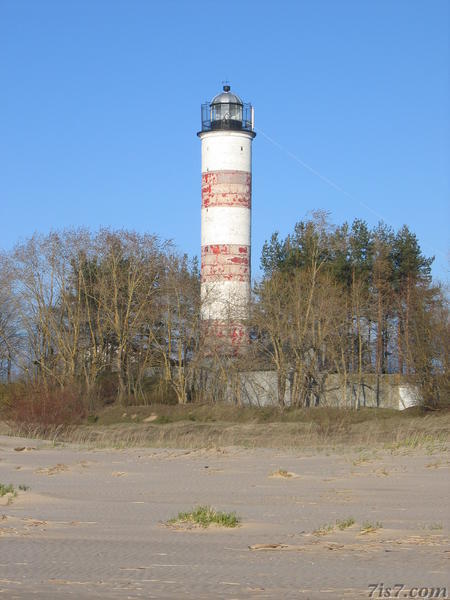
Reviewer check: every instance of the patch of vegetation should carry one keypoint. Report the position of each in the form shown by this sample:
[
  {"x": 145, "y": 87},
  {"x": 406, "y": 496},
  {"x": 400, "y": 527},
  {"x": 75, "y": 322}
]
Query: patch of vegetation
[
  {"x": 382, "y": 472},
  {"x": 39, "y": 410},
  {"x": 204, "y": 516},
  {"x": 341, "y": 524},
  {"x": 368, "y": 527},
  {"x": 435, "y": 526},
  {"x": 430, "y": 441},
  {"x": 162, "y": 420},
  {"x": 345, "y": 523},
  {"x": 363, "y": 458},
  {"x": 7, "y": 489},
  {"x": 324, "y": 529},
  {"x": 282, "y": 473},
  {"x": 24, "y": 488},
  {"x": 198, "y": 425},
  {"x": 328, "y": 418}
]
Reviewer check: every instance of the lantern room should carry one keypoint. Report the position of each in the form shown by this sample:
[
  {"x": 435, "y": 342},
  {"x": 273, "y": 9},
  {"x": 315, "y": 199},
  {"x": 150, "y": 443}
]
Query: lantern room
[{"x": 226, "y": 111}]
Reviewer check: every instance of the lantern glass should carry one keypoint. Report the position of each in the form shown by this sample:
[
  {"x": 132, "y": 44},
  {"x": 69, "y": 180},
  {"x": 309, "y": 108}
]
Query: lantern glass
[{"x": 226, "y": 111}]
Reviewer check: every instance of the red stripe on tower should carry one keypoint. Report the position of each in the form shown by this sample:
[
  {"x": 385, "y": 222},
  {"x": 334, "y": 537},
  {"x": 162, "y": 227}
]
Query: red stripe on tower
[
  {"x": 225, "y": 262},
  {"x": 226, "y": 188}
]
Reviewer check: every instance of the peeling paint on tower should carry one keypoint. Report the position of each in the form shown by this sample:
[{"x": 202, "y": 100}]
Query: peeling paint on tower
[{"x": 226, "y": 188}]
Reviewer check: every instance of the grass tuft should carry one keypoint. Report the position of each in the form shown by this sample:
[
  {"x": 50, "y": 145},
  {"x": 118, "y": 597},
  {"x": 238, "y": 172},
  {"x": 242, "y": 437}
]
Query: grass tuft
[
  {"x": 324, "y": 529},
  {"x": 204, "y": 516},
  {"x": 432, "y": 442},
  {"x": 7, "y": 489},
  {"x": 361, "y": 460},
  {"x": 368, "y": 527},
  {"x": 345, "y": 523},
  {"x": 282, "y": 473},
  {"x": 341, "y": 524}
]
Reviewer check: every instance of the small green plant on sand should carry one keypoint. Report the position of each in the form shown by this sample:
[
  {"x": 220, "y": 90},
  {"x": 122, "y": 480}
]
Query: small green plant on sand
[
  {"x": 341, "y": 524},
  {"x": 368, "y": 527},
  {"x": 345, "y": 523},
  {"x": 204, "y": 516},
  {"x": 7, "y": 489}
]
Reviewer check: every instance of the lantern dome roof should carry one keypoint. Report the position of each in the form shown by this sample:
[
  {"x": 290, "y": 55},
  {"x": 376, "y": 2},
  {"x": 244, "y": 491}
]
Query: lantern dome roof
[{"x": 226, "y": 97}]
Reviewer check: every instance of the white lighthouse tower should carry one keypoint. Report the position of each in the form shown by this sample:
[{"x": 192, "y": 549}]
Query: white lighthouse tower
[{"x": 226, "y": 135}]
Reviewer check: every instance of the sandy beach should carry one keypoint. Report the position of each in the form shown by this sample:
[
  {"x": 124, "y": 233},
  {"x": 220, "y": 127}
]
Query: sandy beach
[{"x": 93, "y": 523}]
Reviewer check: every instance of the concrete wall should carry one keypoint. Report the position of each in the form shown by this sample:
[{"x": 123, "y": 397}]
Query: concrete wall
[{"x": 259, "y": 388}]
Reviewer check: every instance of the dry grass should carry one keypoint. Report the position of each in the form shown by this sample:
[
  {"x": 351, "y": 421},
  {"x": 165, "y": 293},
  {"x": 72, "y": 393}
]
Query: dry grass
[
  {"x": 282, "y": 473},
  {"x": 325, "y": 418},
  {"x": 368, "y": 527},
  {"x": 327, "y": 528},
  {"x": 324, "y": 529},
  {"x": 200, "y": 426},
  {"x": 345, "y": 523}
]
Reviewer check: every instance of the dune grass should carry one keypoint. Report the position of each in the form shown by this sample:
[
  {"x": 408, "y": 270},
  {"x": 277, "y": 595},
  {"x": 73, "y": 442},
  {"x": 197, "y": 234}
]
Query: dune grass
[
  {"x": 204, "y": 516},
  {"x": 7, "y": 489},
  {"x": 208, "y": 426},
  {"x": 345, "y": 523},
  {"x": 324, "y": 529},
  {"x": 368, "y": 527}
]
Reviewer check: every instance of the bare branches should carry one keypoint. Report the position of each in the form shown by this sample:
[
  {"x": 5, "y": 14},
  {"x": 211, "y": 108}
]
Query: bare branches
[
  {"x": 113, "y": 305},
  {"x": 117, "y": 315}
]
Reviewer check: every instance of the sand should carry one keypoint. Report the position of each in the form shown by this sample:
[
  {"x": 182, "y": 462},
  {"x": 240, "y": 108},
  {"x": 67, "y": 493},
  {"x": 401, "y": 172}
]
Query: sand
[{"x": 93, "y": 523}]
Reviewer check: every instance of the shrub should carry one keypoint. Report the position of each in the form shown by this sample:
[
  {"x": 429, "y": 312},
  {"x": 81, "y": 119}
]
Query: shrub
[{"x": 29, "y": 406}]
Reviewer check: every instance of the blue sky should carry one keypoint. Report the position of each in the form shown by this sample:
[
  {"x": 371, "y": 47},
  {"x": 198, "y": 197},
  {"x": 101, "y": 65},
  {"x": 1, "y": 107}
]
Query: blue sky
[{"x": 100, "y": 105}]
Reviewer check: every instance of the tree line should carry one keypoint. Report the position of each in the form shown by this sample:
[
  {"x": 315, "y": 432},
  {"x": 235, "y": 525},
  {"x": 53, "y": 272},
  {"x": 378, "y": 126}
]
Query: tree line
[
  {"x": 354, "y": 301},
  {"x": 115, "y": 316},
  {"x": 108, "y": 314}
]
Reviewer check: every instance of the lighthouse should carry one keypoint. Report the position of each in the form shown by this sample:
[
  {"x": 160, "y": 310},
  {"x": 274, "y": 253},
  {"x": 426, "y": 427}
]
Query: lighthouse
[{"x": 226, "y": 136}]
